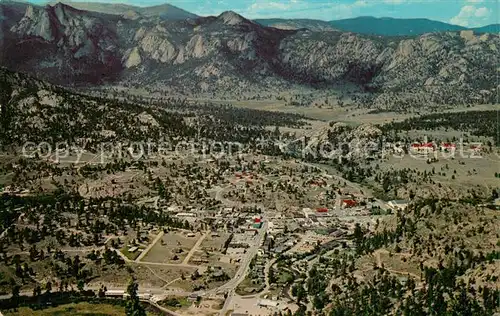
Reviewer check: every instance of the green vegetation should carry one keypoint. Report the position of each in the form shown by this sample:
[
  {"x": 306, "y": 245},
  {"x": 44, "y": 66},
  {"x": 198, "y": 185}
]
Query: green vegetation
[
  {"x": 79, "y": 309},
  {"x": 128, "y": 254},
  {"x": 476, "y": 123},
  {"x": 133, "y": 306},
  {"x": 176, "y": 303}
]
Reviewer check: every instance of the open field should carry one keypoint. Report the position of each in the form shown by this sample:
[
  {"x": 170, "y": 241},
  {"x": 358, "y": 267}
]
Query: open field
[
  {"x": 464, "y": 171},
  {"x": 346, "y": 114},
  {"x": 80, "y": 309},
  {"x": 173, "y": 247}
]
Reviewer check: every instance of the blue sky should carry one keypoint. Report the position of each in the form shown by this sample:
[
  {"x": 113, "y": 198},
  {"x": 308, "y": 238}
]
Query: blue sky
[{"x": 469, "y": 13}]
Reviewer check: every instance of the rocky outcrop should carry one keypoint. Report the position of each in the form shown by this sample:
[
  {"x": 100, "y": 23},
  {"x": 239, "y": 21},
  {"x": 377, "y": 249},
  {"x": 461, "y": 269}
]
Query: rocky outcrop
[
  {"x": 38, "y": 24},
  {"x": 84, "y": 45},
  {"x": 232, "y": 18},
  {"x": 158, "y": 48},
  {"x": 132, "y": 58},
  {"x": 224, "y": 51}
]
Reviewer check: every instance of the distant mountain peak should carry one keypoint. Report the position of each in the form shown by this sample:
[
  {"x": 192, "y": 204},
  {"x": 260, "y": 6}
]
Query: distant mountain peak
[
  {"x": 62, "y": 7},
  {"x": 232, "y": 18},
  {"x": 131, "y": 15},
  {"x": 165, "y": 11}
]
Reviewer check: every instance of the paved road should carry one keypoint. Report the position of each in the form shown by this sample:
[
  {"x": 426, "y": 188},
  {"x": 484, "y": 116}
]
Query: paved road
[{"x": 230, "y": 287}]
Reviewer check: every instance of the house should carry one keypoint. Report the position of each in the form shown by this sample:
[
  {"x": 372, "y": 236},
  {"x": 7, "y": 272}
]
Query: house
[
  {"x": 133, "y": 249},
  {"x": 422, "y": 148},
  {"x": 448, "y": 147},
  {"x": 475, "y": 149},
  {"x": 192, "y": 297},
  {"x": 349, "y": 203},
  {"x": 398, "y": 204},
  {"x": 321, "y": 210}
]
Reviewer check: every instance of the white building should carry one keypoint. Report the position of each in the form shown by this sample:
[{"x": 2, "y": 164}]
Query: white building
[
  {"x": 398, "y": 204},
  {"x": 268, "y": 303}
]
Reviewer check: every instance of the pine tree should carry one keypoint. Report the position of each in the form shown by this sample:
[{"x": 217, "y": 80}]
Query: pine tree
[{"x": 134, "y": 307}]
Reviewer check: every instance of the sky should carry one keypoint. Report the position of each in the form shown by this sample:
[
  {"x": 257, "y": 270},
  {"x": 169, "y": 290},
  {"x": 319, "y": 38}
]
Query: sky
[{"x": 469, "y": 13}]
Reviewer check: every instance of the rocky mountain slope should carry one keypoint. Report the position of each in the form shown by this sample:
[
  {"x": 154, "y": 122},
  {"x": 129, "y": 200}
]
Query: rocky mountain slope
[
  {"x": 164, "y": 11},
  {"x": 229, "y": 53},
  {"x": 63, "y": 44}
]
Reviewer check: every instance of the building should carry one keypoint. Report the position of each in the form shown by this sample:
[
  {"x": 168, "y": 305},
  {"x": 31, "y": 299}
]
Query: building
[
  {"x": 257, "y": 225},
  {"x": 475, "y": 149},
  {"x": 495, "y": 205},
  {"x": 398, "y": 204},
  {"x": 448, "y": 147},
  {"x": 268, "y": 303},
  {"x": 322, "y": 210},
  {"x": 192, "y": 297},
  {"x": 422, "y": 148},
  {"x": 307, "y": 212},
  {"x": 349, "y": 203}
]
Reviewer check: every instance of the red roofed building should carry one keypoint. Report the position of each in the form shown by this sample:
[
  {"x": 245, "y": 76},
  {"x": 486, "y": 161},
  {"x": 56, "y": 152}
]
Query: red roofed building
[
  {"x": 257, "y": 220},
  {"x": 422, "y": 148},
  {"x": 321, "y": 210},
  {"x": 448, "y": 147},
  {"x": 349, "y": 203}
]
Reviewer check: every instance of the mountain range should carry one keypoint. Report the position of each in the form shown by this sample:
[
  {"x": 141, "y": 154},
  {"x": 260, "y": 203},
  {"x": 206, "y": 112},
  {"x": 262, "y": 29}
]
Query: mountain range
[
  {"x": 384, "y": 26},
  {"x": 165, "y": 11},
  {"x": 172, "y": 50},
  {"x": 376, "y": 26}
]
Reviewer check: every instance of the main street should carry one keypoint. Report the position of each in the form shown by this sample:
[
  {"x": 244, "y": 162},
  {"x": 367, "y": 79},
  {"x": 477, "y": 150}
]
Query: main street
[{"x": 230, "y": 286}]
